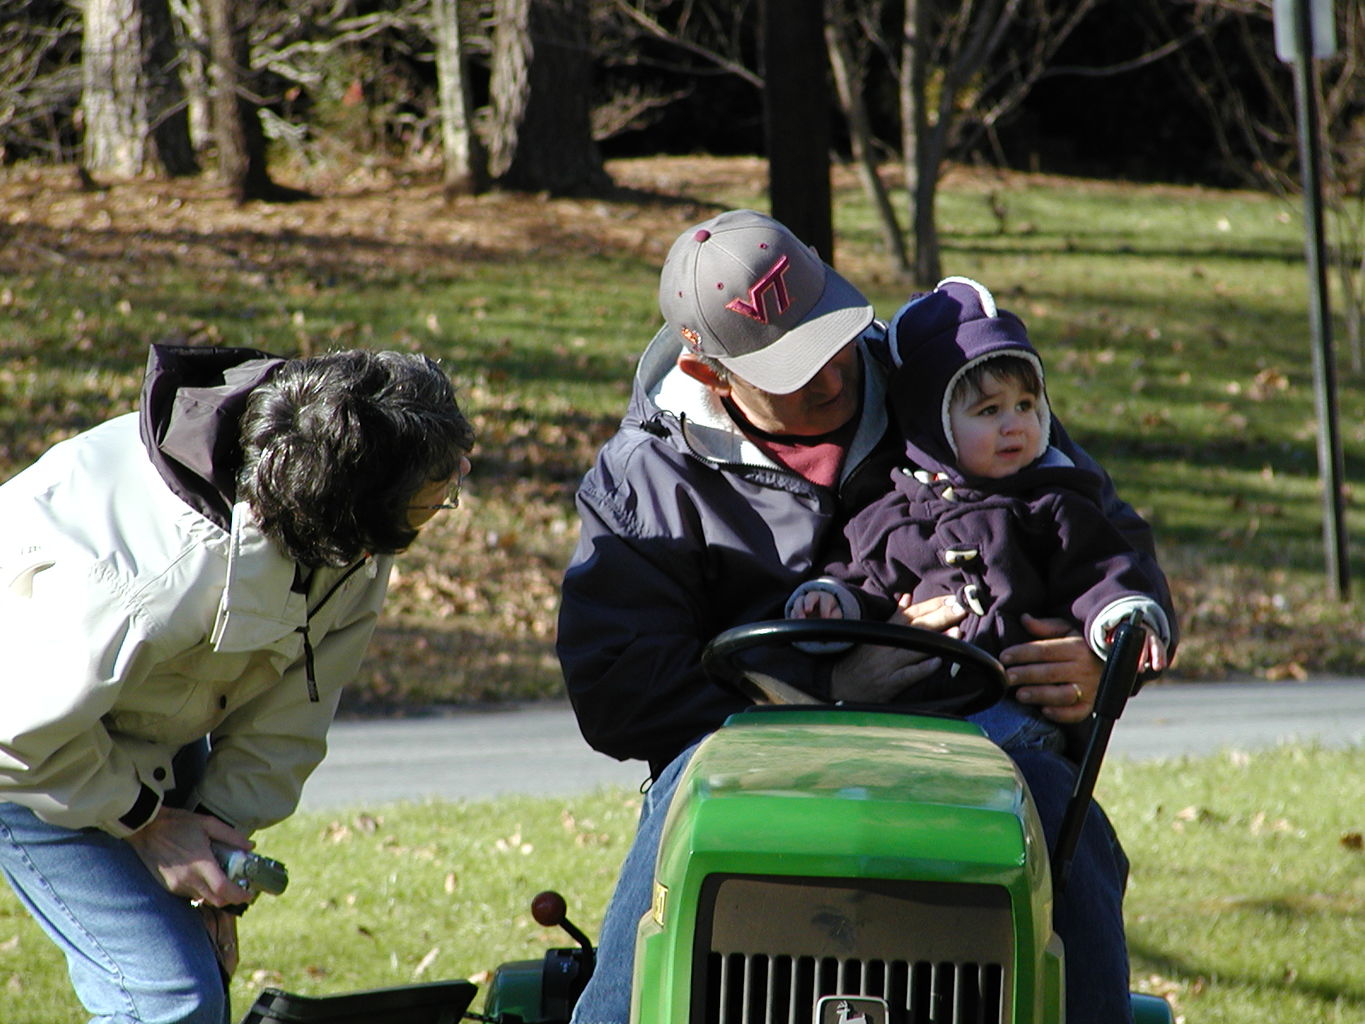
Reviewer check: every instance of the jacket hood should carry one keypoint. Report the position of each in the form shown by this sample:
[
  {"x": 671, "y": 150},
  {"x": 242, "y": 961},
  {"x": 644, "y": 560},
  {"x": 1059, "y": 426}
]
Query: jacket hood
[
  {"x": 192, "y": 402},
  {"x": 665, "y": 397},
  {"x": 668, "y": 403},
  {"x": 937, "y": 337}
]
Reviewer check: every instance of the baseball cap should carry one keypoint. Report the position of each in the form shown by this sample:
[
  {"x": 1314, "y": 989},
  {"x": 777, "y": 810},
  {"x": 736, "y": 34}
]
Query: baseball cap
[{"x": 742, "y": 289}]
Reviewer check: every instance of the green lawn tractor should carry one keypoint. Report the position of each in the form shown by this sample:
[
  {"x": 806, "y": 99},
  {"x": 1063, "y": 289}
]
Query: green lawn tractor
[{"x": 827, "y": 864}]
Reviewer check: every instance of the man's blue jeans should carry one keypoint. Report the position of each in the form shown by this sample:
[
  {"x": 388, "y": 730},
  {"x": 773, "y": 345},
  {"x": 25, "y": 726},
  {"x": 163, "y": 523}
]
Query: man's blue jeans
[
  {"x": 134, "y": 952},
  {"x": 1088, "y": 915},
  {"x": 606, "y": 1000}
]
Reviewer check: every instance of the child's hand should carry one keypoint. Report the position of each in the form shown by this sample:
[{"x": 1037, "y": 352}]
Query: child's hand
[
  {"x": 943, "y": 614},
  {"x": 816, "y": 604},
  {"x": 1153, "y": 657}
]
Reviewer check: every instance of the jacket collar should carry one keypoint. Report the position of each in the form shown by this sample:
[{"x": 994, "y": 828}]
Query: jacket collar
[
  {"x": 706, "y": 428},
  {"x": 259, "y": 607}
]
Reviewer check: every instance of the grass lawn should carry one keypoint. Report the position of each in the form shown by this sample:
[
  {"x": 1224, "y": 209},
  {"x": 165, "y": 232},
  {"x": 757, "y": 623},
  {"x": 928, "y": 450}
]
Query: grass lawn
[
  {"x": 1247, "y": 898},
  {"x": 1246, "y": 903},
  {"x": 1173, "y": 322}
]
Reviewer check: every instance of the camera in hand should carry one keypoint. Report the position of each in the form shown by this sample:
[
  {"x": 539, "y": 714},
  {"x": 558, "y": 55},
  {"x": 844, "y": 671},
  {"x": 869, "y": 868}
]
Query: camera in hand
[{"x": 251, "y": 871}]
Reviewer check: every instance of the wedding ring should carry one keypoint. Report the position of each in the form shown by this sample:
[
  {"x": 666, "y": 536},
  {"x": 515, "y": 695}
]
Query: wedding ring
[{"x": 1080, "y": 694}]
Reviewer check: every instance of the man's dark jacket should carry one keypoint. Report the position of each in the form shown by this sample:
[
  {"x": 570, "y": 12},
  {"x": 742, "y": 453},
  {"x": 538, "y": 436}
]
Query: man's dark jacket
[{"x": 687, "y": 530}]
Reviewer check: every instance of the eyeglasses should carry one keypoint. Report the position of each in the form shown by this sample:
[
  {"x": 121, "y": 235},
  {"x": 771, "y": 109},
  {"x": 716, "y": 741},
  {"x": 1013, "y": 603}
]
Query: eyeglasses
[{"x": 452, "y": 497}]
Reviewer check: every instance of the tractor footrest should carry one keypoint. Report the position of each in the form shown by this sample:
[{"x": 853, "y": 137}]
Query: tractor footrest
[{"x": 441, "y": 1002}]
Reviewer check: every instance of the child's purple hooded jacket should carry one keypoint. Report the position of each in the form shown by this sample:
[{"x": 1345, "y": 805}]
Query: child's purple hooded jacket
[{"x": 1034, "y": 542}]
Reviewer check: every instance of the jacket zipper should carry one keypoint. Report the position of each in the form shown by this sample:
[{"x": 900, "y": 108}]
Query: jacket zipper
[{"x": 308, "y": 663}]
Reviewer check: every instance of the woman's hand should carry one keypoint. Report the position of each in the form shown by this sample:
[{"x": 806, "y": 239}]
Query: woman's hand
[
  {"x": 1057, "y": 672},
  {"x": 175, "y": 847}
]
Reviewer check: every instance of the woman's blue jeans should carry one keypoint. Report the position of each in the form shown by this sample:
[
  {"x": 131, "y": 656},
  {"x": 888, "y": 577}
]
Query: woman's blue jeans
[
  {"x": 1088, "y": 915},
  {"x": 135, "y": 953}
]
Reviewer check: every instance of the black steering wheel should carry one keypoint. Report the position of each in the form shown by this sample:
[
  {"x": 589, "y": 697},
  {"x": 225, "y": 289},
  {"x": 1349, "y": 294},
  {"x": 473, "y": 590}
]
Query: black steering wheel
[{"x": 950, "y": 691}]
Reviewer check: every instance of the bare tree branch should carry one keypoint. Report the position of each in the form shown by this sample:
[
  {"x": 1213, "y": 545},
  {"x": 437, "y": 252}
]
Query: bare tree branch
[{"x": 677, "y": 38}]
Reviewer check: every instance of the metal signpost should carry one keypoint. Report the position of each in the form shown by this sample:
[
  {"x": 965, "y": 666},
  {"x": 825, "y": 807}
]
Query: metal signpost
[{"x": 1305, "y": 30}]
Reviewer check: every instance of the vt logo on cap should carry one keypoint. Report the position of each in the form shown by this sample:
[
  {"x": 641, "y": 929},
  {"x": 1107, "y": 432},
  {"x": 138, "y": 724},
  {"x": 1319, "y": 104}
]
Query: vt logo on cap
[
  {"x": 794, "y": 312},
  {"x": 770, "y": 284}
]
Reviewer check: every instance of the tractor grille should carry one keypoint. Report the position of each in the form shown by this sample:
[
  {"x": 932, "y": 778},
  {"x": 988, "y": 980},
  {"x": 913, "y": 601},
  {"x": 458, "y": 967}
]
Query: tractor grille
[
  {"x": 758, "y": 989},
  {"x": 770, "y": 948}
]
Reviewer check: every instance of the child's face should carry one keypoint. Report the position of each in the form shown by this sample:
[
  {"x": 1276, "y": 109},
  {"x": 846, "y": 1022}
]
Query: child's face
[{"x": 997, "y": 429}]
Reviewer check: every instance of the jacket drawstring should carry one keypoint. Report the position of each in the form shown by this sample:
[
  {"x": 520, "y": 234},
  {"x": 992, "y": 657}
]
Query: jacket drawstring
[{"x": 300, "y": 586}]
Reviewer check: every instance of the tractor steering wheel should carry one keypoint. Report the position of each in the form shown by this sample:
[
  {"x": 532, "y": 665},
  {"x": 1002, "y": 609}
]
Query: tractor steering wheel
[{"x": 953, "y": 693}]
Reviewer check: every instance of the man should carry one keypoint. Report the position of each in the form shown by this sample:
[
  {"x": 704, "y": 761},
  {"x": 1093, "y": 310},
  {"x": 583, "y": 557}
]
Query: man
[
  {"x": 210, "y": 569},
  {"x": 757, "y": 426}
]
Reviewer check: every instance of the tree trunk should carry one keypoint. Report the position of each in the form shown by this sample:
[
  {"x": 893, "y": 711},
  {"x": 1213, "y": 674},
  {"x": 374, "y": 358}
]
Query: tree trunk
[
  {"x": 189, "y": 18},
  {"x": 921, "y": 172},
  {"x": 236, "y": 125},
  {"x": 113, "y": 99},
  {"x": 132, "y": 99},
  {"x": 170, "y": 123},
  {"x": 846, "y": 62},
  {"x": 466, "y": 162},
  {"x": 973, "y": 33},
  {"x": 542, "y": 105},
  {"x": 796, "y": 120}
]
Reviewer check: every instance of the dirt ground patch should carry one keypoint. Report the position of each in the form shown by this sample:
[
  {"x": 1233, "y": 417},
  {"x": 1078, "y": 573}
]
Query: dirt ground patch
[{"x": 394, "y": 221}]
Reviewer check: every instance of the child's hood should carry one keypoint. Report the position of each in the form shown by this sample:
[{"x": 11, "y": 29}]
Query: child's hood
[{"x": 936, "y": 337}]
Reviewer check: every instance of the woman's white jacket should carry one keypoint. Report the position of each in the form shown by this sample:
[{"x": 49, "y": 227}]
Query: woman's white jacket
[{"x": 131, "y": 625}]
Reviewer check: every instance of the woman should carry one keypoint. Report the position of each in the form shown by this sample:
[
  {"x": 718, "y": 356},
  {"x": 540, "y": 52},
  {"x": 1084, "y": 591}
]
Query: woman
[{"x": 205, "y": 573}]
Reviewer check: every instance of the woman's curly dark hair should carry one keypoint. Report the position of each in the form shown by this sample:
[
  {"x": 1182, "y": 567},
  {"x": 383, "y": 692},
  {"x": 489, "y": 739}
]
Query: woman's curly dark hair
[{"x": 334, "y": 448}]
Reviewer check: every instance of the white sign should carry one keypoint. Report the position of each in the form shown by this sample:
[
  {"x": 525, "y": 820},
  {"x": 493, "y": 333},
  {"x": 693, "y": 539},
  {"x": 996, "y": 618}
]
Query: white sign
[{"x": 1323, "y": 26}]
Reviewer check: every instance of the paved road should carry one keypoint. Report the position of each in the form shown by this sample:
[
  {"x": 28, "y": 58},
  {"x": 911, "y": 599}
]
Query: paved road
[{"x": 538, "y": 750}]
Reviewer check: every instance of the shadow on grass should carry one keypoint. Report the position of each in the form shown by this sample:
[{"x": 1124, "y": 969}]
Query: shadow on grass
[
  {"x": 1342, "y": 998},
  {"x": 1119, "y": 245},
  {"x": 328, "y": 260}
]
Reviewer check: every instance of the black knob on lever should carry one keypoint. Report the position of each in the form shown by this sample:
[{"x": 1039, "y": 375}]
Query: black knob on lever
[{"x": 550, "y": 911}]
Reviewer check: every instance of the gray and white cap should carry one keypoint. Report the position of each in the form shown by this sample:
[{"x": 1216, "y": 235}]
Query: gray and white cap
[{"x": 742, "y": 289}]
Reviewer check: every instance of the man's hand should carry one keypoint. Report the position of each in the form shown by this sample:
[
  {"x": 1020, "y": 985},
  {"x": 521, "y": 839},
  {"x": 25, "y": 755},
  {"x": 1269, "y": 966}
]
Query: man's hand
[
  {"x": 175, "y": 847},
  {"x": 874, "y": 674},
  {"x": 1058, "y": 671}
]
